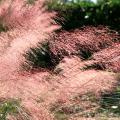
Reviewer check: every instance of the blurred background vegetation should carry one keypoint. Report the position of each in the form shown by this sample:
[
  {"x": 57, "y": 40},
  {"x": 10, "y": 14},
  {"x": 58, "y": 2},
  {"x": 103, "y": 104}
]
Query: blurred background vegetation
[{"x": 76, "y": 13}]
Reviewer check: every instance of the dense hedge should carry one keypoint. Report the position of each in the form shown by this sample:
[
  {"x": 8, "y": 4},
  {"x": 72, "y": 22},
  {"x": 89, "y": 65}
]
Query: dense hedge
[{"x": 76, "y": 14}]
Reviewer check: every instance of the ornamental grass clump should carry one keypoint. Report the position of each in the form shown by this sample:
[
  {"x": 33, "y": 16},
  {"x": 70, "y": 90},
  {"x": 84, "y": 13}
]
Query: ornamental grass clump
[{"x": 28, "y": 25}]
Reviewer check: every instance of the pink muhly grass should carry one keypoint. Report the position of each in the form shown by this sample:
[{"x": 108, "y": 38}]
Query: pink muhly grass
[
  {"x": 21, "y": 15},
  {"x": 80, "y": 41},
  {"x": 28, "y": 25},
  {"x": 109, "y": 58}
]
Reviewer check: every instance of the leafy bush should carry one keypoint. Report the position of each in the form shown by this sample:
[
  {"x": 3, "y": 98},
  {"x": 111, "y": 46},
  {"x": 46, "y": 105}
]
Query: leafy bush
[{"x": 76, "y": 14}]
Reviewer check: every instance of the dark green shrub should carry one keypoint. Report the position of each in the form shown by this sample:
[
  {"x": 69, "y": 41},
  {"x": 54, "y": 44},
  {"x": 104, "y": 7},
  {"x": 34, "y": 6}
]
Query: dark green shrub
[{"x": 76, "y": 14}]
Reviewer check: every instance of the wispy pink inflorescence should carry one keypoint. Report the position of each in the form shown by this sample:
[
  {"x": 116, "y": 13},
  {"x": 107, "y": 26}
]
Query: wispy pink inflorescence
[
  {"x": 89, "y": 39},
  {"x": 27, "y": 25},
  {"x": 109, "y": 58},
  {"x": 19, "y": 14}
]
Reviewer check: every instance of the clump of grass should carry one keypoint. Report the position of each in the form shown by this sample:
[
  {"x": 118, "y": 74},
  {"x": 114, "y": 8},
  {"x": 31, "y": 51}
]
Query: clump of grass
[
  {"x": 110, "y": 102},
  {"x": 85, "y": 54},
  {"x": 64, "y": 111},
  {"x": 56, "y": 109},
  {"x": 109, "y": 58},
  {"x": 89, "y": 106},
  {"x": 96, "y": 66},
  {"x": 89, "y": 96},
  {"x": 83, "y": 42},
  {"x": 39, "y": 57},
  {"x": 12, "y": 107}
]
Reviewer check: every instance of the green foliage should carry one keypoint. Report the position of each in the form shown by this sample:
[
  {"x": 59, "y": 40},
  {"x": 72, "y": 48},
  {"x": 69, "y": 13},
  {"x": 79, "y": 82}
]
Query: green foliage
[
  {"x": 8, "y": 107},
  {"x": 76, "y": 14}
]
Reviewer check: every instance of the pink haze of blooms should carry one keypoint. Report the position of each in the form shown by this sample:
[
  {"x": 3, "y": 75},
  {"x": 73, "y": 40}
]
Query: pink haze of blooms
[{"x": 28, "y": 25}]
